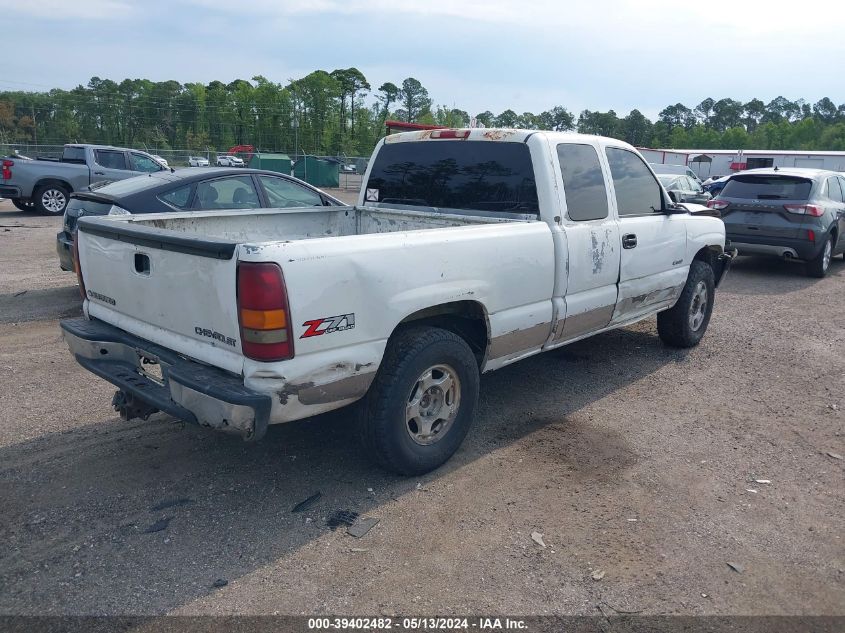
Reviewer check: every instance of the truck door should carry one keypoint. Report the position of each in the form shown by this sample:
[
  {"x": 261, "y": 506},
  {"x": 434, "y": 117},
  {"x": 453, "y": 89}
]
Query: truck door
[
  {"x": 592, "y": 238},
  {"x": 109, "y": 164},
  {"x": 653, "y": 268},
  {"x": 141, "y": 164}
]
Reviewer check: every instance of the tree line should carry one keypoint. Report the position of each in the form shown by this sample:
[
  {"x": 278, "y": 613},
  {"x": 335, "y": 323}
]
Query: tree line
[{"x": 339, "y": 112}]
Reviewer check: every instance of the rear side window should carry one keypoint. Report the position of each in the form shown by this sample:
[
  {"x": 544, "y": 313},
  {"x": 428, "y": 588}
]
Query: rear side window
[
  {"x": 767, "y": 188},
  {"x": 73, "y": 154},
  {"x": 637, "y": 192},
  {"x": 834, "y": 192},
  {"x": 692, "y": 184},
  {"x": 110, "y": 159},
  {"x": 233, "y": 192},
  {"x": 178, "y": 198},
  {"x": 474, "y": 175},
  {"x": 583, "y": 182}
]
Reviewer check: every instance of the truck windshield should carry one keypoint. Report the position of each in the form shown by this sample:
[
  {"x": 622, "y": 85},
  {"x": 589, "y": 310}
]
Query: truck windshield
[{"x": 476, "y": 175}]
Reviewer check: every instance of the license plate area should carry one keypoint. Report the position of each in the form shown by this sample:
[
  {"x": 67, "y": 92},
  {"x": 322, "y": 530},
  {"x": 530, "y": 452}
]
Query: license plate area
[{"x": 150, "y": 367}]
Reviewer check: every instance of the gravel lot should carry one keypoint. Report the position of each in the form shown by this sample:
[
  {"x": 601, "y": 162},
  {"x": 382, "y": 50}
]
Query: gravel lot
[{"x": 631, "y": 459}]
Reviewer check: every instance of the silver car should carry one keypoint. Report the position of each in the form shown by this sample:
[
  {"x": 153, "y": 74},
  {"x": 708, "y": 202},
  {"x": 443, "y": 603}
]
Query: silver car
[{"x": 197, "y": 161}]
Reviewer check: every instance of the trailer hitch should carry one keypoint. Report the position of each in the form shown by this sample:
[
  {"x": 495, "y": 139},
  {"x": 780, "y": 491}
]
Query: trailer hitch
[{"x": 129, "y": 407}]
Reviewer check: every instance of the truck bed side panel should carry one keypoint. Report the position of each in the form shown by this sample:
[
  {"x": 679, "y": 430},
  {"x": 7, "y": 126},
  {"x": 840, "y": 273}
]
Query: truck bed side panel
[{"x": 349, "y": 294}]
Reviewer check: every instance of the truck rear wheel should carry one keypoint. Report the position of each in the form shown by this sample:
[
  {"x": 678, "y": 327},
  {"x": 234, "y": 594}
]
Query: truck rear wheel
[
  {"x": 685, "y": 323},
  {"x": 50, "y": 199},
  {"x": 422, "y": 402}
]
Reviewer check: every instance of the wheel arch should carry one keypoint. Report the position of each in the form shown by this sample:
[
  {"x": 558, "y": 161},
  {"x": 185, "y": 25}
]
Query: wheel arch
[
  {"x": 712, "y": 256},
  {"x": 45, "y": 182},
  {"x": 467, "y": 319}
]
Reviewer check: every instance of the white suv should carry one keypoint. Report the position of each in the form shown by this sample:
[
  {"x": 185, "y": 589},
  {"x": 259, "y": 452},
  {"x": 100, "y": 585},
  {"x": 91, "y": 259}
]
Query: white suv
[{"x": 226, "y": 160}]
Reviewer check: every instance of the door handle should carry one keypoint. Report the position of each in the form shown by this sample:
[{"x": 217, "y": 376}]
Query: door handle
[
  {"x": 99, "y": 173},
  {"x": 629, "y": 241}
]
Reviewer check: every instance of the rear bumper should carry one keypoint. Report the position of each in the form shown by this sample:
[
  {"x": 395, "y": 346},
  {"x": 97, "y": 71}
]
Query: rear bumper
[
  {"x": 187, "y": 390},
  {"x": 777, "y": 246},
  {"x": 8, "y": 191},
  {"x": 64, "y": 249}
]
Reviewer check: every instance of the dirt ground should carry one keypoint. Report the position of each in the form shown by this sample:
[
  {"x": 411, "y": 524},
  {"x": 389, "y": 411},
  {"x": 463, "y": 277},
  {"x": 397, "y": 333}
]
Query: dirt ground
[{"x": 632, "y": 460}]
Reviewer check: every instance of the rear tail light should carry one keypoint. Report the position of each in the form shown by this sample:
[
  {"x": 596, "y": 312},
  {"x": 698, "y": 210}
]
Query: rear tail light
[
  {"x": 7, "y": 169},
  {"x": 450, "y": 134},
  {"x": 77, "y": 266},
  {"x": 805, "y": 209},
  {"x": 718, "y": 204},
  {"x": 263, "y": 313}
]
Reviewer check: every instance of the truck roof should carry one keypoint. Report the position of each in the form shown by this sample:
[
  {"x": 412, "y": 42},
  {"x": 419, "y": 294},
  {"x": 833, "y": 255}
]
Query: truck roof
[
  {"x": 501, "y": 135},
  {"x": 115, "y": 147}
]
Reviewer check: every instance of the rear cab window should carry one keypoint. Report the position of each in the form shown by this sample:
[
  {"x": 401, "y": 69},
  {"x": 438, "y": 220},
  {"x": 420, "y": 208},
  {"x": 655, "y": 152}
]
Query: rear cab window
[
  {"x": 462, "y": 175},
  {"x": 583, "y": 182},
  {"x": 73, "y": 154},
  {"x": 767, "y": 187}
]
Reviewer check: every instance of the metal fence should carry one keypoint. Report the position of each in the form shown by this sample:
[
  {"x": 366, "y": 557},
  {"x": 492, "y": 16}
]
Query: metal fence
[{"x": 350, "y": 168}]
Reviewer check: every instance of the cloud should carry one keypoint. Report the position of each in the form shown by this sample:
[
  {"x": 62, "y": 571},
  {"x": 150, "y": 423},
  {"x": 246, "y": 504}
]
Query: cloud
[
  {"x": 69, "y": 9},
  {"x": 475, "y": 55}
]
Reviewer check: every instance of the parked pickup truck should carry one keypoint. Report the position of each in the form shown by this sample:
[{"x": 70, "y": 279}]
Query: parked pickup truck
[
  {"x": 468, "y": 250},
  {"x": 45, "y": 184}
]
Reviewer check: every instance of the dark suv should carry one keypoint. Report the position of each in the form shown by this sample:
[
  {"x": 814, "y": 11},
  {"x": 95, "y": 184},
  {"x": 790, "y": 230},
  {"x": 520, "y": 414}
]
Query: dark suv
[{"x": 791, "y": 212}]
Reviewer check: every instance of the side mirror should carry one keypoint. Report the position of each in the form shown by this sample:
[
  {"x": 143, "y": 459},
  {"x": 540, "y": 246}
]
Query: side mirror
[{"x": 674, "y": 196}]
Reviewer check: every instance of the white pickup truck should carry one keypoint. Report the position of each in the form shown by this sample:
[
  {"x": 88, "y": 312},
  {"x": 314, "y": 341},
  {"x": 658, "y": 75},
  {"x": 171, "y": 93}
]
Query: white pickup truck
[{"x": 468, "y": 250}]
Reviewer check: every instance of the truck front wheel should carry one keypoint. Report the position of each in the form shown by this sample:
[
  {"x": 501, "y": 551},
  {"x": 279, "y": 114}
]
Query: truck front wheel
[
  {"x": 422, "y": 402},
  {"x": 685, "y": 323},
  {"x": 50, "y": 199}
]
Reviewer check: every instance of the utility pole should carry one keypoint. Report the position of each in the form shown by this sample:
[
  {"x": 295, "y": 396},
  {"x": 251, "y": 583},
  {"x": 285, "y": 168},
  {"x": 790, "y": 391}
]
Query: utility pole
[{"x": 34, "y": 124}]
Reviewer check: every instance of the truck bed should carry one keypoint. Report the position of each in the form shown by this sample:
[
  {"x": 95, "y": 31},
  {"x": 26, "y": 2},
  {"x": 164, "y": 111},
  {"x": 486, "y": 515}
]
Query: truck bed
[
  {"x": 272, "y": 225},
  {"x": 170, "y": 278}
]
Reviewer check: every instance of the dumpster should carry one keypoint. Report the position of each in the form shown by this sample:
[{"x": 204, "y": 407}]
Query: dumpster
[
  {"x": 272, "y": 162},
  {"x": 319, "y": 172}
]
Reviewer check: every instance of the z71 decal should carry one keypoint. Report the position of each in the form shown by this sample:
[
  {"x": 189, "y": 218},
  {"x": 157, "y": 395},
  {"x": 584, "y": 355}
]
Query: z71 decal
[{"x": 328, "y": 325}]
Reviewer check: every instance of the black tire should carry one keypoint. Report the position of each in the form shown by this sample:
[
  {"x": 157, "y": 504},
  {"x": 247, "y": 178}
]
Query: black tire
[
  {"x": 685, "y": 323},
  {"x": 820, "y": 264},
  {"x": 23, "y": 204},
  {"x": 50, "y": 199},
  {"x": 386, "y": 433}
]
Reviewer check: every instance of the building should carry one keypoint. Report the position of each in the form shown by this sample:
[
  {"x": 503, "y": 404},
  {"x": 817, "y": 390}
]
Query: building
[{"x": 722, "y": 162}]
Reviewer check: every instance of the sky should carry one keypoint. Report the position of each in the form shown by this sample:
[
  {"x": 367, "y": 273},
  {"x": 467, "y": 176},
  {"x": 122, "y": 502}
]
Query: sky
[{"x": 476, "y": 55}]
